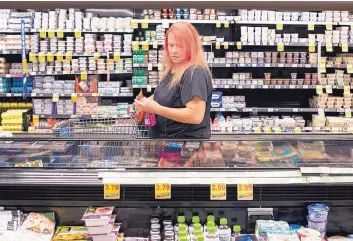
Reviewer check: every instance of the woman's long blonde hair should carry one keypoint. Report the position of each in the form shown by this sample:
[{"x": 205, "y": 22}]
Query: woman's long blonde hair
[{"x": 188, "y": 36}]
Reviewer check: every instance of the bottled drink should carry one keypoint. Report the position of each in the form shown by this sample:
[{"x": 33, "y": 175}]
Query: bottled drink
[
  {"x": 236, "y": 232},
  {"x": 181, "y": 231},
  {"x": 209, "y": 224},
  {"x": 211, "y": 235},
  {"x": 184, "y": 238},
  {"x": 181, "y": 220},
  {"x": 197, "y": 233},
  {"x": 210, "y": 218},
  {"x": 224, "y": 231},
  {"x": 195, "y": 220},
  {"x": 200, "y": 238}
]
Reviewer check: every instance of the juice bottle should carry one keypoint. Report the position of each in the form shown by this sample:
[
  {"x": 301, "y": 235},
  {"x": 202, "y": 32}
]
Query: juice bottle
[
  {"x": 195, "y": 220},
  {"x": 181, "y": 220},
  {"x": 210, "y": 218},
  {"x": 236, "y": 231},
  {"x": 211, "y": 235}
]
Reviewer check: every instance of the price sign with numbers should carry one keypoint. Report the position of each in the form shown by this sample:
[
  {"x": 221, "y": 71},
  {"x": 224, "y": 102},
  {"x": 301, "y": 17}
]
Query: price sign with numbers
[
  {"x": 280, "y": 47},
  {"x": 311, "y": 47},
  {"x": 116, "y": 56},
  {"x": 346, "y": 89},
  {"x": 238, "y": 45},
  {"x": 77, "y": 33},
  {"x": 32, "y": 57},
  {"x": 111, "y": 191},
  {"x": 329, "y": 26},
  {"x": 144, "y": 25},
  {"x": 96, "y": 56},
  {"x": 60, "y": 34},
  {"x": 345, "y": 48},
  {"x": 322, "y": 68},
  {"x": 218, "y": 24},
  {"x": 349, "y": 68},
  {"x": 311, "y": 27},
  {"x": 328, "y": 89},
  {"x": 59, "y": 57},
  {"x": 55, "y": 97},
  {"x": 162, "y": 191},
  {"x": 134, "y": 24},
  {"x": 348, "y": 113},
  {"x": 68, "y": 56},
  {"x": 218, "y": 45},
  {"x": 73, "y": 98},
  {"x": 50, "y": 57},
  {"x": 245, "y": 192},
  {"x": 83, "y": 75},
  {"x": 279, "y": 26},
  {"x": 226, "y": 45},
  {"x": 226, "y": 24},
  {"x": 42, "y": 34},
  {"x": 319, "y": 89},
  {"x": 218, "y": 191},
  {"x": 329, "y": 47}
]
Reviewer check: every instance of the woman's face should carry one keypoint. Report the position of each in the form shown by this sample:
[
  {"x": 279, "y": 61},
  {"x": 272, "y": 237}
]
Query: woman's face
[{"x": 176, "y": 50}]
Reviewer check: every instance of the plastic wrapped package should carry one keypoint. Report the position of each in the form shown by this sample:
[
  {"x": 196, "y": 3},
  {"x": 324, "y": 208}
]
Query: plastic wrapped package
[{"x": 310, "y": 151}]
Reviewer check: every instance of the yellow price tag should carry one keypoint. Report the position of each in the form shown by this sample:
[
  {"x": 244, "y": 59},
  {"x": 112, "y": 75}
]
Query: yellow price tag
[
  {"x": 145, "y": 46},
  {"x": 347, "y": 89},
  {"x": 50, "y": 57},
  {"x": 328, "y": 89},
  {"x": 245, "y": 192},
  {"x": 348, "y": 113},
  {"x": 116, "y": 57},
  {"x": 239, "y": 45},
  {"x": 155, "y": 45},
  {"x": 77, "y": 33},
  {"x": 226, "y": 24},
  {"x": 319, "y": 89},
  {"x": 218, "y": 45},
  {"x": 41, "y": 57},
  {"x": 329, "y": 47},
  {"x": 74, "y": 97},
  {"x": 60, "y": 34},
  {"x": 345, "y": 48},
  {"x": 267, "y": 130},
  {"x": 51, "y": 33},
  {"x": 59, "y": 57},
  {"x": 134, "y": 24},
  {"x": 31, "y": 129},
  {"x": 218, "y": 24},
  {"x": 311, "y": 27},
  {"x": 279, "y": 26},
  {"x": 349, "y": 68},
  {"x": 32, "y": 57},
  {"x": 96, "y": 56},
  {"x": 280, "y": 47},
  {"x": 55, "y": 97},
  {"x": 68, "y": 56},
  {"x": 328, "y": 26},
  {"x": 150, "y": 66},
  {"x": 311, "y": 47},
  {"x": 277, "y": 130},
  {"x": 218, "y": 191},
  {"x": 226, "y": 45},
  {"x": 162, "y": 191},
  {"x": 323, "y": 68},
  {"x": 35, "y": 119},
  {"x": 257, "y": 130},
  {"x": 42, "y": 33},
  {"x": 135, "y": 46},
  {"x": 144, "y": 25},
  {"x": 149, "y": 88},
  {"x": 111, "y": 191},
  {"x": 297, "y": 130},
  {"x": 24, "y": 66},
  {"x": 83, "y": 75},
  {"x": 321, "y": 112}
]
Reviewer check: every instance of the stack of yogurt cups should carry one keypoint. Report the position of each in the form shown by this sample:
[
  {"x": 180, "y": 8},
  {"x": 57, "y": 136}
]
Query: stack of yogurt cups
[{"x": 317, "y": 218}]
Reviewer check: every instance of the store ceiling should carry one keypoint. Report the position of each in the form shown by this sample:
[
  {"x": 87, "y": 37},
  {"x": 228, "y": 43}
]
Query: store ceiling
[{"x": 111, "y": 5}]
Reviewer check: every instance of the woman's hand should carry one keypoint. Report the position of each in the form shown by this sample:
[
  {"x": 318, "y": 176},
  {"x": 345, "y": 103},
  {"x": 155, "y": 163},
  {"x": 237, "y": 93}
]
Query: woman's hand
[{"x": 147, "y": 105}]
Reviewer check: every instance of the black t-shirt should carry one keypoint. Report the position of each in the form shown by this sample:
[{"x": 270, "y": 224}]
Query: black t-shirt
[{"x": 195, "y": 82}]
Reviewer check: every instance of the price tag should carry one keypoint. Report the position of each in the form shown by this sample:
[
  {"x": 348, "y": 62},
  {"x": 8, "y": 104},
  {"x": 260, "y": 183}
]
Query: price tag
[
  {"x": 41, "y": 57},
  {"x": 349, "y": 68},
  {"x": 149, "y": 66},
  {"x": 319, "y": 89},
  {"x": 162, "y": 191},
  {"x": 31, "y": 129},
  {"x": 239, "y": 45},
  {"x": 32, "y": 57},
  {"x": 111, "y": 191},
  {"x": 134, "y": 24},
  {"x": 74, "y": 97},
  {"x": 50, "y": 57},
  {"x": 77, "y": 33},
  {"x": 345, "y": 48},
  {"x": 329, "y": 47},
  {"x": 279, "y": 26},
  {"x": 226, "y": 45},
  {"x": 145, "y": 46},
  {"x": 346, "y": 89},
  {"x": 165, "y": 24},
  {"x": 55, "y": 97},
  {"x": 267, "y": 130},
  {"x": 68, "y": 56},
  {"x": 135, "y": 46},
  {"x": 144, "y": 25},
  {"x": 321, "y": 112},
  {"x": 311, "y": 27},
  {"x": 149, "y": 88},
  {"x": 245, "y": 192},
  {"x": 348, "y": 113},
  {"x": 280, "y": 47},
  {"x": 60, "y": 34},
  {"x": 328, "y": 26},
  {"x": 35, "y": 119},
  {"x": 297, "y": 130},
  {"x": 51, "y": 33},
  {"x": 257, "y": 130},
  {"x": 328, "y": 89},
  {"x": 312, "y": 47},
  {"x": 218, "y": 24},
  {"x": 96, "y": 56},
  {"x": 218, "y": 45},
  {"x": 42, "y": 33},
  {"x": 116, "y": 57},
  {"x": 322, "y": 68},
  {"x": 218, "y": 191},
  {"x": 155, "y": 45},
  {"x": 223, "y": 129},
  {"x": 83, "y": 75},
  {"x": 59, "y": 57},
  {"x": 277, "y": 130},
  {"x": 226, "y": 24}
]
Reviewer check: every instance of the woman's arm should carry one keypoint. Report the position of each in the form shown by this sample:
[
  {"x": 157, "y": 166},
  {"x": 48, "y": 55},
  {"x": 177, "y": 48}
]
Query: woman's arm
[{"x": 193, "y": 113}]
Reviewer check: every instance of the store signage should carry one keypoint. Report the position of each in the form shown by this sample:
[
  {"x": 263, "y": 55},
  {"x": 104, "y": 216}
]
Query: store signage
[
  {"x": 245, "y": 192},
  {"x": 162, "y": 191},
  {"x": 218, "y": 191},
  {"x": 111, "y": 191}
]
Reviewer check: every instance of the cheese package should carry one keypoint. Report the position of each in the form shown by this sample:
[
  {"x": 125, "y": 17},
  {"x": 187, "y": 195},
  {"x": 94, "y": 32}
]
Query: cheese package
[
  {"x": 66, "y": 233},
  {"x": 97, "y": 216}
]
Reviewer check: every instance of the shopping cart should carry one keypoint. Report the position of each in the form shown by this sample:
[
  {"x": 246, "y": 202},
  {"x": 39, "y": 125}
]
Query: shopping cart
[{"x": 117, "y": 127}]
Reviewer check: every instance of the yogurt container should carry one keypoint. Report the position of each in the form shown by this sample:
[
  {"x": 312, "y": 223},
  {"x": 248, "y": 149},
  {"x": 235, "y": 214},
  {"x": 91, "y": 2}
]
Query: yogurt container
[
  {"x": 318, "y": 212},
  {"x": 319, "y": 226}
]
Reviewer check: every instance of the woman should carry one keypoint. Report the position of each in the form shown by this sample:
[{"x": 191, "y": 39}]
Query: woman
[{"x": 182, "y": 100}]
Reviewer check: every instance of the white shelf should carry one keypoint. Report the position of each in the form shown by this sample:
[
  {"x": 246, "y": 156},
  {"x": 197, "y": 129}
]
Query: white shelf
[{"x": 285, "y": 22}]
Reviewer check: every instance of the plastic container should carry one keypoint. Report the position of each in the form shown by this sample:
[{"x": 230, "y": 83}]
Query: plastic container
[
  {"x": 319, "y": 226},
  {"x": 318, "y": 212},
  {"x": 210, "y": 218},
  {"x": 195, "y": 220},
  {"x": 236, "y": 232},
  {"x": 307, "y": 232},
  {"x": 211, "y": 235},
  {"x": 224, "y": 231}
]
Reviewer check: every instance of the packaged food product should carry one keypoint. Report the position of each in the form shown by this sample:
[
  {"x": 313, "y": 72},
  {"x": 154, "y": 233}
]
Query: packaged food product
[{"x": 318, "y": 212}]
